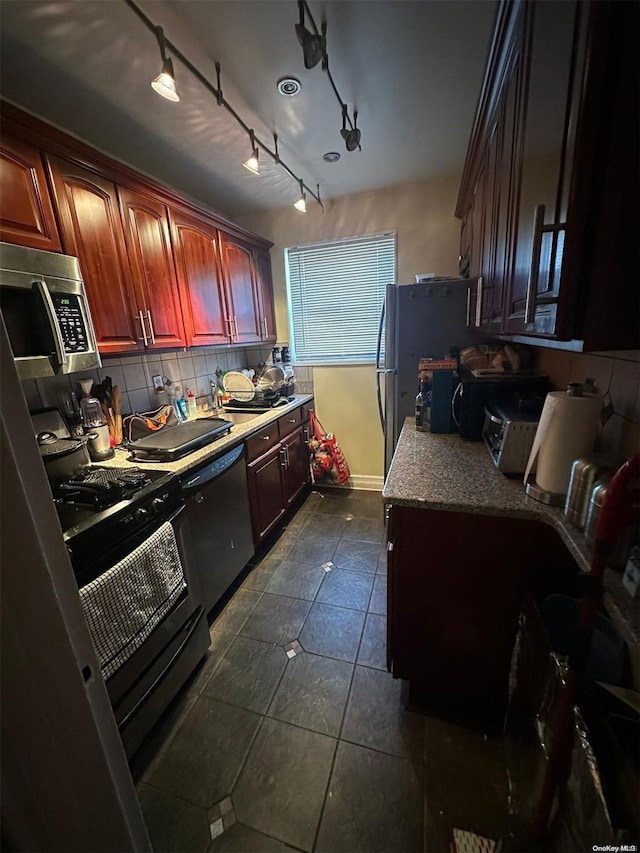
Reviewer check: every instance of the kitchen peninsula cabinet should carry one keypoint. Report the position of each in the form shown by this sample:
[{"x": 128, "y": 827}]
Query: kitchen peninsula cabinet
[
  {"x": 91, "y": 229},
  {"x": 242, "y": 291},
  {"x": 549, "y": 194},
  {"x": 26, "y": 213},
  {"x": 146, "y": 232},
  {"x": 200, "y": 279}
]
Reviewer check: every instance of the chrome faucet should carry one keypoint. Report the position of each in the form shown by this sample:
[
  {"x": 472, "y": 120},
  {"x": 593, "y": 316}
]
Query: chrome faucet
[{"x": 215, "y": 404}]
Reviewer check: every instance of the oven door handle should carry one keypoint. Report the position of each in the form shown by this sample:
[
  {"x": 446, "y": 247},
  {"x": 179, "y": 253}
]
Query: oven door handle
[
  {"x": 193, "y": 621},
  {"x": 175, "y": 515}
]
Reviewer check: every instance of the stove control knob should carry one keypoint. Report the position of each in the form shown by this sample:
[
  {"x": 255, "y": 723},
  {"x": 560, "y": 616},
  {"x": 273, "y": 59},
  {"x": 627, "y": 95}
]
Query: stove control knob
[
  {"x": 141, "y": 514},
  {"x": 157, "y": 504}
]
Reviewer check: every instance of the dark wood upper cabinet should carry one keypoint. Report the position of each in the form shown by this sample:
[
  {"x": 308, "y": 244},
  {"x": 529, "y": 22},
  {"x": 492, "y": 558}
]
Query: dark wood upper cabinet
[
  {"x": 91, "y": 229},
  {"x": 242, "y": 293},
  {"x": 26, "y": 213},
  {"x": 196, "y": 248},
  {"x": 265, "y": 292},
  {"x": 549, "y": 194},
  {"x": 554, "y": 56},
  {"x": 146, "y": 232}
]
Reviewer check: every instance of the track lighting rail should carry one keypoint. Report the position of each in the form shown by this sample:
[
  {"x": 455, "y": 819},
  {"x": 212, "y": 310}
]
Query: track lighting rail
[{"x": 221, "y": 100}]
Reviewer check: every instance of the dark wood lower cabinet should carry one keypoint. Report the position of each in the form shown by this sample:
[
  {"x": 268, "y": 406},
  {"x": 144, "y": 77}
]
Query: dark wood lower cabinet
[
  {"x": 296, "y": 472},
  {"x": 277, "y": 477},
  {"x": 266, "y": 492},
  {"x": 456, "y": 583}
]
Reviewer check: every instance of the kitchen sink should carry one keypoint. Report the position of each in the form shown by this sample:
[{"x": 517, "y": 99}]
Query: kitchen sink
[{"x": 239, "y": 417}]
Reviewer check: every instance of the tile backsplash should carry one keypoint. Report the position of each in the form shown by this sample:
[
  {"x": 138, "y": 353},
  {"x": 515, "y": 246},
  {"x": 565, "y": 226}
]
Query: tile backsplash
[
  {"x": 617, "y": 376},
  {"x": 192, "y": 369}
]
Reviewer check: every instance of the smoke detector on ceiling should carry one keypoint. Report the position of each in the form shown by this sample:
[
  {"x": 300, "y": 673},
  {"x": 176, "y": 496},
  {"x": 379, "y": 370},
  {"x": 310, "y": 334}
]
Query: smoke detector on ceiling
[
  {"x": 331, "y": 157},
  {"x": 289, "y": 86}
]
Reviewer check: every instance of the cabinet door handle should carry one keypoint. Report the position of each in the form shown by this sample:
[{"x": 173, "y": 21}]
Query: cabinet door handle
[
  {"x": 230, "y": 332},
  {"x": 283, "y": 458},
  {"x": 479, "y": 301},
  {"x": 235, "y": 326},
  {"x": 266, "y": 328},
  {"x": 151, "y": 332},
  {"x": 468, "y": 320},
  {"x": 144, "y": 331},
  {"x": 305, "y": 432}
]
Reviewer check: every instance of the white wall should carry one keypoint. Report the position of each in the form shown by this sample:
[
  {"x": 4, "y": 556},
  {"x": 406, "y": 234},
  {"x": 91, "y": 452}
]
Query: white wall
[{"x": 428, "y": 236}]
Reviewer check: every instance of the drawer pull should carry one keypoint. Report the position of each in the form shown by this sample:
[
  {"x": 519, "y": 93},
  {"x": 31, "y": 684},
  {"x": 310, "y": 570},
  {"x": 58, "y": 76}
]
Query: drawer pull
[
  {"x": 292, "y": 421},
  {"x": 265, "y": 437}
]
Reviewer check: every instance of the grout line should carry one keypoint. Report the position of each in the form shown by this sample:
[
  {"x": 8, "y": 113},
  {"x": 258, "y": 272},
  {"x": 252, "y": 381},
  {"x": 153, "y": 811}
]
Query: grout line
[{"x": 178, "y": 797}]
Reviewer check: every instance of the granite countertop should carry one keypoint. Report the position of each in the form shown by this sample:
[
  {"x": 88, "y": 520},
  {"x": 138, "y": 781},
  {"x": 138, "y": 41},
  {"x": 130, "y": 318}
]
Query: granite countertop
[
  {"x": 444, "y": 472},
  {"x": 239, "y": 432}
]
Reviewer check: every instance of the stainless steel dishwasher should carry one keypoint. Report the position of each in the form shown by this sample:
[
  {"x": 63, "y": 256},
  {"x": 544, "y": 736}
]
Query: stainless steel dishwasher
[{"x": 219, "y": 519}]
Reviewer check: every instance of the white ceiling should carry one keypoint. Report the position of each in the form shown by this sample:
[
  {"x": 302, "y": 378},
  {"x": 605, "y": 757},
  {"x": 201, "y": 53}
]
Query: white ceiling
[{"x": 412, "y": 69}]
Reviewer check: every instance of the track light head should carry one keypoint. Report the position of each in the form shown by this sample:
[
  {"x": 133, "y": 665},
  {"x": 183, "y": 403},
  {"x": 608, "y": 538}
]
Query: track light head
[
  {"x": 313, "y": 45},
  {"x": 164, "y": 84},
  {"x": 252, "y": 163},
  {"x": 301, "y": 203},
  {"x": 351, "y": 137}
]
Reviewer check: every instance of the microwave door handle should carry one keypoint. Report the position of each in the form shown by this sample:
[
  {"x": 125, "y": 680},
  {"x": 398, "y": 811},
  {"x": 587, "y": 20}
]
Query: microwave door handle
[{"x": 43, "y": 290}]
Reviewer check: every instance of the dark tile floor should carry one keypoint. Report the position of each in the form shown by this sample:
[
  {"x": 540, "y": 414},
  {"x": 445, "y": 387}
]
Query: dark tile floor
[{"x": 292, "y": 733}]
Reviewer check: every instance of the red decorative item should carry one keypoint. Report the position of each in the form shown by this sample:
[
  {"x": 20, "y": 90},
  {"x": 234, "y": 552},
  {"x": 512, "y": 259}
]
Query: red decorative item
[{"x": 327, "y": 458}]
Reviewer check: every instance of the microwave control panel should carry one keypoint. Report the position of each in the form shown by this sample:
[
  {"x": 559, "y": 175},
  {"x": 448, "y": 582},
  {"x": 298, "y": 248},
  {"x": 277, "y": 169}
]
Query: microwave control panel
[{"x": 71, "y": 321}]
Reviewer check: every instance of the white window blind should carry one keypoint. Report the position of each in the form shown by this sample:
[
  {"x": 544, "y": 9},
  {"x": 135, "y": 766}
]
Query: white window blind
[{"x": 335, "y": 292}]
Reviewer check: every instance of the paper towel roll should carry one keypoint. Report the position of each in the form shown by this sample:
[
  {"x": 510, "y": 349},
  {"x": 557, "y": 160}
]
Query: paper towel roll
[{"x": 567, "y": 430}]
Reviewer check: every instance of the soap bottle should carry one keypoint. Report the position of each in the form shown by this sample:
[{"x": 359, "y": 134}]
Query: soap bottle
[
  {"x": 420, "y": 405},
  {"x": 423, "y": 406},
  {"x": 192, "y": 409}
]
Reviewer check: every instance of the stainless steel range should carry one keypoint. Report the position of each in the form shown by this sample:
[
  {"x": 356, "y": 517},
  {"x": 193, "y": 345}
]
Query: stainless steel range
[{"x": 125, "y": 530}]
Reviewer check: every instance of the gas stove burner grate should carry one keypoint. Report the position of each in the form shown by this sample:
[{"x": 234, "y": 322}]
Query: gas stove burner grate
[
  {"x": 106, "y": 478},
  {"x": 101, "y": 487}
]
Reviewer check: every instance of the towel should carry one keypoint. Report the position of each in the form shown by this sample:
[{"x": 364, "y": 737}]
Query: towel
[{"x": 126, "y": 603}]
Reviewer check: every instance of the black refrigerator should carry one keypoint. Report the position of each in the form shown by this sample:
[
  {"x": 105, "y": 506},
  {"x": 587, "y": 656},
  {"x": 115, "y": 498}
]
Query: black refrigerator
[{"x": 418, "y": 321}]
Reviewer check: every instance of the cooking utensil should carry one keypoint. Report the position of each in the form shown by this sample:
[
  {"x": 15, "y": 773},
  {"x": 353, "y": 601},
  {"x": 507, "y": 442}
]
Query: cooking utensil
[
  {"x": 271, "y": 378},
  {"x": 238, "y": 386},
  {"x": 62, "y": 457},
  {"x": 116, "y": 399}
]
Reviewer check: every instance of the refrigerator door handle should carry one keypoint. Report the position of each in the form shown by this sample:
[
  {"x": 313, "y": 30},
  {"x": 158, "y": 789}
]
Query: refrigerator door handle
[
  {"x": 379, "y": 343},
  {"x": 380, "y": 409},
  {"x": 380, "y": 369}
]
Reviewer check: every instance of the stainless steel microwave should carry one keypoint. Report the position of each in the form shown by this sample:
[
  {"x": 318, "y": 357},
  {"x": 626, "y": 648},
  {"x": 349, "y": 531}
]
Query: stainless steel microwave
[{"x": 45, "y": 311}]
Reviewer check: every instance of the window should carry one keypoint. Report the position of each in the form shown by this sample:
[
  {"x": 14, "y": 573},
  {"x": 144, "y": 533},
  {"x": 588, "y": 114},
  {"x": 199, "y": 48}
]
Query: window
[{"x": 335, "y": 293}]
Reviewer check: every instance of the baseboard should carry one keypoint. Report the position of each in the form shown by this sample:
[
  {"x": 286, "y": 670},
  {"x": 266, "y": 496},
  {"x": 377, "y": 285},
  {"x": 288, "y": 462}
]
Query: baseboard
[{"x": 358, "y": 481}]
